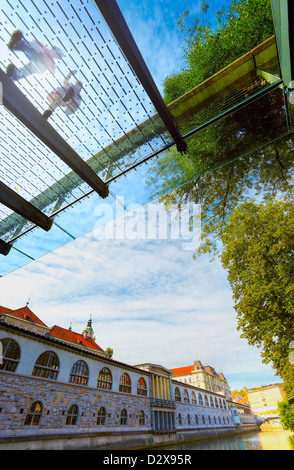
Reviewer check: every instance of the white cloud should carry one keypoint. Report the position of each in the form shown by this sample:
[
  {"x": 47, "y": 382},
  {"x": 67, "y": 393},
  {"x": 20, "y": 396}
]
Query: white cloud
[{"x": 149, "y": 301}]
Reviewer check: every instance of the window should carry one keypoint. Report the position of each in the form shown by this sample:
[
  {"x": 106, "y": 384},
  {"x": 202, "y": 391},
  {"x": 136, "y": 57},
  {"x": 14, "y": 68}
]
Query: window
[
  {"x": 216, "y": 402},
  {"x": 177, "y": 394},
  {"x": 186, "y": 396},
  {"x": 194, "y": 401},
  {"x": 141, "y": 418},
  {"x": 200, "y": 400},
  {"x": 206, "y": 400},
  {"x": 203, "y": 419},
  {"x": 104, "y": 379},
  {"x": 47, "y": 365},
  {"x": 72, "y": 415},
  {"x": 10, "y": 352},
  {"x": 125, "y": 383},
  {"x": 141, "y": 387},
  {"x": 211, "y": 402},
  {"x": 124, "y": 417},
  {"x": 180, "y": 419},
  {"x": 196, "y": 419},
  {"x": 34, "y": 414},
  {"x": 79, "y": 373},
  {"x": 101, "y": 416},
  {"x": 189, "y": 419}
]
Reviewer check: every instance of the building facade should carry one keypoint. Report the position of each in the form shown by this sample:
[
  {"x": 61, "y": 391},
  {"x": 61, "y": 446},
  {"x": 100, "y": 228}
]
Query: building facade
[
  {"x": 264, "y": 400},
  {"x": 203, "y": 377},
  {"x": 59, "y": 389}
]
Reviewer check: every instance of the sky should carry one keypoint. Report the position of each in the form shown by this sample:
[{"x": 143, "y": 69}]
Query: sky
[{"x": 149, "y": 299}]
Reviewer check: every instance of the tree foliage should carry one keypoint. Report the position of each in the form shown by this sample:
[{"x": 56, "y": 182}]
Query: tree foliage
[
  {"x": 213, "y": 174},
  {"x": 258, "y": 254},
  {"x": 228, "y": 164},
  {"x": 240, "y": 26},
  {"x": 286, "y": 413}
]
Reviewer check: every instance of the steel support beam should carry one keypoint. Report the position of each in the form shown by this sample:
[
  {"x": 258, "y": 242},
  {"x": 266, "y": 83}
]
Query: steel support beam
[
  {"x": 4, "y": 248},
  {"x": 18, "y": 104},
  {"x": 120, "y": 30},
  {"x": 283, "y": 16},
  {"x": 18, "y": 204}
]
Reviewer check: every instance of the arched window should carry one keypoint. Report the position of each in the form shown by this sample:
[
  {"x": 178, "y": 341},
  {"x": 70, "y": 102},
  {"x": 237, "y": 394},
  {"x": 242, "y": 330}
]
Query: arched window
[
  {"x": 196, "y": 419},
  {"x": 189, "y": 419},
  {"x": 211, "y": 402},
  {"x": 216, "y": 402},
  {"x": 203, "y": 419},
  {"x": 125, "y": 383},
  {"x": 141, "y": 418},
  {"x": 200, "y": 400},
  {"x": 186, "y": 396},
  {"x": 34, "y": 414},
  {"x": 141, "y": 387},
  {"x": 10, "y": 352},
  {"x": 104, "y": 379},
  {"x": 225, "y": 405},
  {"x": 209, "y": 420},
  {"x": 220, "y": 403},
  {"x": 124, "y": 417},
  {"x": 206, "y": 400},
  {"x": 180, "y": 419},
  {"x": 214, "y": 418},
  {"x": 194, "y": 401},
  {"x": 101, "y": 416},
  {"x": 47, "y": 365},
  {"x": 79, "y": 373},
  {"x": 177, "y": 394},
  {"x": 72, "y": 415}
]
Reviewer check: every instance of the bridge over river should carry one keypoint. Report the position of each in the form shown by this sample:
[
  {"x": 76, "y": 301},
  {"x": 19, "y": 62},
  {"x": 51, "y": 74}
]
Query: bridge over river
[{"x": 55, "y": 171}]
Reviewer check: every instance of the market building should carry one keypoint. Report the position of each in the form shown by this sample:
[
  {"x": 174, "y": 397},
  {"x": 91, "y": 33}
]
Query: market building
[{"x": 60, "y": 390}]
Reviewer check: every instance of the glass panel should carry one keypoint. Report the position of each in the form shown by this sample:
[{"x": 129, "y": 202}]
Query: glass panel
[{"x": 115, "y": 128}]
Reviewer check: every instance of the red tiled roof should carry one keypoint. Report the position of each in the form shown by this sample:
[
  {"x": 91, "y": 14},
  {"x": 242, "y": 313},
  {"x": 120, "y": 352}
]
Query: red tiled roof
[
  {"x": 72, "y": 337},
  {"x": 4, "y": 309},
  {"x": 182, "y": 370},
  {"x": 56, "y": 331},
  {"x": 25, "y": 314}
]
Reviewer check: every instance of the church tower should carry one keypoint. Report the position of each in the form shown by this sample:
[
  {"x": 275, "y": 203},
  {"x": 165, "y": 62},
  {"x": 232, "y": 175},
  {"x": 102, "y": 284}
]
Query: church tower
[{"x": 88, "y": 331}]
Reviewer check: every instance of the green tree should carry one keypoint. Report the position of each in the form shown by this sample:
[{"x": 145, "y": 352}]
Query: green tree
[
  {"x": 258, "y": 254},
  {"x": 109, "y": 352},
  {"x": 212, "y": 173},
  {"x": 240, "y": 26},
  {"x": 286, "y": 413},
  {"x": 255, "y": 241}
]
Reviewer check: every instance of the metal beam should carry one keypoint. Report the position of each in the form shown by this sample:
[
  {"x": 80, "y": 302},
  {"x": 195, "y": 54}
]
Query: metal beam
[
  {"x": 120, "y": 30},
  {"x": 18, "y": 104},
  {"x": 4, "y": 248},
  {"x": 18, "y": 204},
  {"x": 283, "y": 16}
]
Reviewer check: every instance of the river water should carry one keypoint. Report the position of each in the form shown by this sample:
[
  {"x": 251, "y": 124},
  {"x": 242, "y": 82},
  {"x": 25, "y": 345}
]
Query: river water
[{"x": 266, "y": 440}]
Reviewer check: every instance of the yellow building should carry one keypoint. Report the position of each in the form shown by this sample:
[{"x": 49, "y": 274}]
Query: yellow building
[{"x": 264, "y": 400}]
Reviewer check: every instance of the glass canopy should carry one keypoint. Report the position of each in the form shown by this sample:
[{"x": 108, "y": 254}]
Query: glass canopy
[{"x": 116, "y": 129}]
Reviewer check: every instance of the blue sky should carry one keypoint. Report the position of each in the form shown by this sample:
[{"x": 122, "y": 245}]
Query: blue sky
[{"x": 149, "y": 300}]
